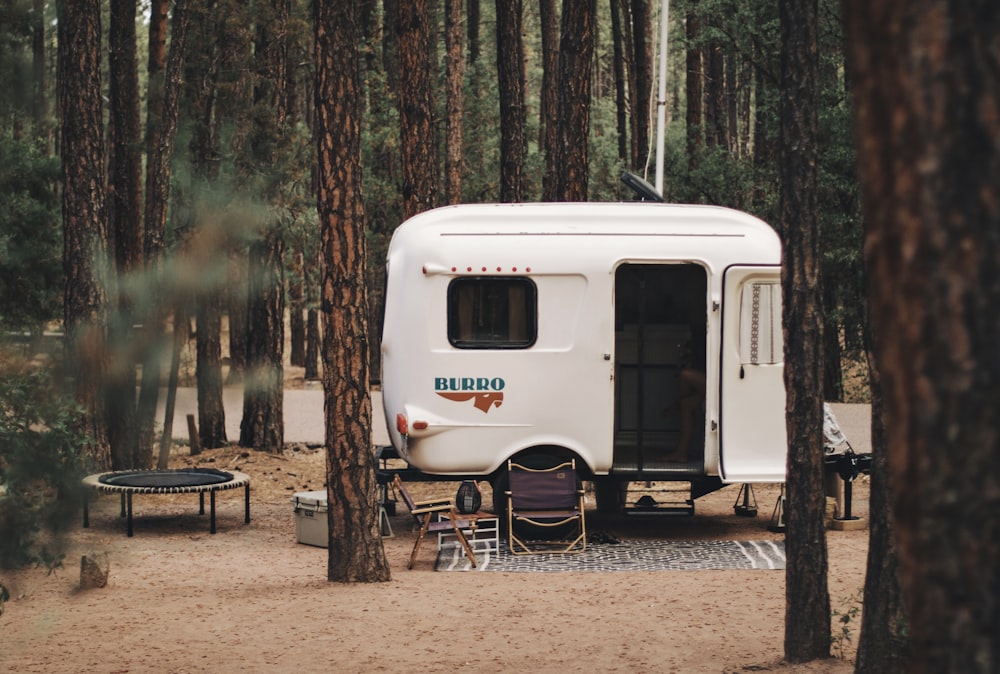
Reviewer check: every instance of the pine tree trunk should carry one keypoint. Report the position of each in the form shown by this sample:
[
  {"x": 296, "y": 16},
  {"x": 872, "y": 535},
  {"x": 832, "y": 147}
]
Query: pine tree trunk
[
  {"x": 237, "y": 312},
  {"x": 807, "y": 599},
  {"x": 211, "y": 410},
  {"x": 510, "y": 79},
  {"x": 833, "y": 378},
  {"x": 153, "y": 317},
  {"x": 312, "y": 345},
  {"x": 39, "y": 103},
  {"x": 355, "y": 549},
  {"x": 84, "y": 213},
  {"x": 262, "y": 426},
  {"x": 472, "y": 28},
  {"x": 883, "y": 643},
  {"x": 642, "y": 63},
  {"x": 415, "y": 108},
  {"x": 619, "y": 39},
  {"x": 925, "y": 79},
  {"x": 549, "y": 107},
  {"x": 453, "y": 119},
  {"x": 202, "y": 108},
  {"x": 161, "y": 148},
  {"x": 296, "y": 311},
  {"x": 694, "y": 78},
  {"x": 715, "y": 118},
  {"x": 125, "y": 211},
  {"x": 576, "y": 58}
]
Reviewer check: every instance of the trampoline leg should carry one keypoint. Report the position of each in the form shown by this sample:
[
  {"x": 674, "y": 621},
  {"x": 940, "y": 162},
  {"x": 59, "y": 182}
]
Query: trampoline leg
[
  {"x": 201, "y": 502},
  {"x": 246, "y": 520},
  {"x": 129, "y": 499},
  {"x": 212, "y": 499},
  {"x": 123, "y": 504},
  {"x": 86, "y": 510}
]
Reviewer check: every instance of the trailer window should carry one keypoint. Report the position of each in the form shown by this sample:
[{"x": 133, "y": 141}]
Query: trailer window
[
  {"x": 492, "y": 313},
  {"x": 761, "y": 341}
]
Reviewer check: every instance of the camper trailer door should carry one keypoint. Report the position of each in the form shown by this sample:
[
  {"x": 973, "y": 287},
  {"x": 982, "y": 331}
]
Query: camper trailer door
[{"x": 752, "y": 410}]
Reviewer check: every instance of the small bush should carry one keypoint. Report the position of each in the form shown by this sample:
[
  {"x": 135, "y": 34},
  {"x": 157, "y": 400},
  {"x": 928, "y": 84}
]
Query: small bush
[
  {"x": 41, "y": 462},
  {"x": 845, "y": 617}
]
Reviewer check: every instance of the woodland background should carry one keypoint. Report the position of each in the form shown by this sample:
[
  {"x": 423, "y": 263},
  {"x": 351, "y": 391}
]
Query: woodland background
[
  {"x": 184, "y": 164},
  {"x": 231, "y": 162}
]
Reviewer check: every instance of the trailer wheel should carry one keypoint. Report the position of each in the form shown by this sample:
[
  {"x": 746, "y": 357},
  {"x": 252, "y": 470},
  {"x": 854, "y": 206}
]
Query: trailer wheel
[
  {"x": 500, "y": 485},
  {"x": 610, "y": 494}
]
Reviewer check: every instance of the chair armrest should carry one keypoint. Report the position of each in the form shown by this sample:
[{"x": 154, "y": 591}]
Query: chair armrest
[
  {"x": 440, "y": 507},
  {"x": 434, "y": 501}
]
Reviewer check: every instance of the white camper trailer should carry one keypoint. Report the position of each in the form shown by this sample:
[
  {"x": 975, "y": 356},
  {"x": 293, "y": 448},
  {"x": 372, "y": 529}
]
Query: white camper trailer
[{"x": 642, "y": 339}]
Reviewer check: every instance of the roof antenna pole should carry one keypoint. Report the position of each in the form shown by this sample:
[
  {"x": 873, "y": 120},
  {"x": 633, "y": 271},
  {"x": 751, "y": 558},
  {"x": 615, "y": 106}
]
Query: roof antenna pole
[{"x": 661, "y": 99}]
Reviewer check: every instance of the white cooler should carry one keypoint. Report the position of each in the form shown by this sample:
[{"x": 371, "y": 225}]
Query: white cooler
[{"x": 310, "y": 518}]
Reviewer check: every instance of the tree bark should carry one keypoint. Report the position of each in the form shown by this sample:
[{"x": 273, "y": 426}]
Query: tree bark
[
  {"x": 833, "y": 372},
  {"x": 694, "y": 79},
  {"x": 155, "y": 93},
  {"x": 296, "y": 311},
  {"x": 202, "y": 108},
  {"x": 84, "y": 213},
  {"x": 415, "y": 108},
  {"x": 262, "y": 426},
  {"x": 807, "y": 599},
  {"x": 211, "y": 410},
  {"x": 312, "y": 345},
  {"x": 642, "y": 63},
  {"x": 622, "y": 67},
  {"x": 472, "y": 28},
  {"x": 39, "y": 94},
  {"x": 390, "y": 46},
  {"x": 453, "y": 84},
  {"x": 883, "y": 645},
  {"x": 355, "y": 548},
  {"x": 510, "y": 80},
  {"x": 125, "y": 217},
  {"x": 576, "y": 58},
  {"x": 549, "y": 106},
  {"x": 715, "y": 118},
  {"x": 237, "y": 311},
  {"x": 161, "y": 132},
  {"x": 925, "y": 79}
]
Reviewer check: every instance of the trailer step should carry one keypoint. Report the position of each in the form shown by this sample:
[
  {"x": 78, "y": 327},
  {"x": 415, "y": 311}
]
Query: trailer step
[{"x": 671, "y": 501}]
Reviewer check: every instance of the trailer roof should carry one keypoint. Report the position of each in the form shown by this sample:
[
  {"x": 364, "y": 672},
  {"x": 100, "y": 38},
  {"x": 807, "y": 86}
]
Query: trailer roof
[{"x": 599, "y": 230}]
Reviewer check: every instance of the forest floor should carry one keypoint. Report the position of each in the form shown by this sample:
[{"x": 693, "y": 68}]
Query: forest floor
[{"x": 179, "y": 599}]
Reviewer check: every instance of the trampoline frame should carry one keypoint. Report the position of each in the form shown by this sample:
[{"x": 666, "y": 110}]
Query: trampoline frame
[{"x": 126, "y": 491}]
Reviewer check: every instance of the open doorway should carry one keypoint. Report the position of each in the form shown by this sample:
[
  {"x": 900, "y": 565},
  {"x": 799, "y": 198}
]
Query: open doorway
[{"x": 660, "y": 337}]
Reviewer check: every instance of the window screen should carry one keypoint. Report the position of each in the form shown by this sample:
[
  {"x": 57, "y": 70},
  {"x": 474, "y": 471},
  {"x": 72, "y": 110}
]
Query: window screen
[
  {"x": 761, "y": 341},
  {"x": 492, "y": 313}
]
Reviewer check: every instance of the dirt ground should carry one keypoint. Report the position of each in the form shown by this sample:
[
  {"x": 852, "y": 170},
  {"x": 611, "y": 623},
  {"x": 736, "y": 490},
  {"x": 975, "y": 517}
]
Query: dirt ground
[{"x": 250, "y": 597}]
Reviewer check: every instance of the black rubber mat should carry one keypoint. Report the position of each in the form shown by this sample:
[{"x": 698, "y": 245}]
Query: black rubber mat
[{"x": 155, "y": 479}]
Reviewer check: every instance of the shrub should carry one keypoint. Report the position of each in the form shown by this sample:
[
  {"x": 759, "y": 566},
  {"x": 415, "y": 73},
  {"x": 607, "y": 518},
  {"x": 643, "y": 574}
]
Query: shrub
[{"x": 41, "y": 462}]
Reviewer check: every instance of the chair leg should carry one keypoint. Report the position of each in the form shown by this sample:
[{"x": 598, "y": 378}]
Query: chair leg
[
  {"x": 420, "y": 539},
  {"x": 465, "y": 543}
]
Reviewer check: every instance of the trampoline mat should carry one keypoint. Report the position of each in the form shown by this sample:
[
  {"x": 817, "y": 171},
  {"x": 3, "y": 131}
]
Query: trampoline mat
[{"x": 160, "y": 479}]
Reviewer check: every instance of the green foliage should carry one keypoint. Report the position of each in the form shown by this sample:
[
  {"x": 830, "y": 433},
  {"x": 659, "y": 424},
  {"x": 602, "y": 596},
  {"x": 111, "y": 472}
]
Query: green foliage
[
  {"x": 41, "y": 462},
  {"x": 605, "y": 167},
  {"x": 31, "y": 275},
  {"x": 844, "y": 618}
]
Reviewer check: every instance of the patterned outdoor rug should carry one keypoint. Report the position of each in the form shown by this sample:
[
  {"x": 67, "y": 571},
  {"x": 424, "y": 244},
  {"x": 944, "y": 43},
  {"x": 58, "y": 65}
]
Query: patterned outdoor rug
[{"x": 637, "y": 555}]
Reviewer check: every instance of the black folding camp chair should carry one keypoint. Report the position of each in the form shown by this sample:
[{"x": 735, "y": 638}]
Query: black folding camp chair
[{"x": 545, "y": 510}]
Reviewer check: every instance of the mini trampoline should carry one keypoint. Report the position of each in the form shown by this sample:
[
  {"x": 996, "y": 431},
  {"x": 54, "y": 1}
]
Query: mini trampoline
[{"x": 173, "y": 481}]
